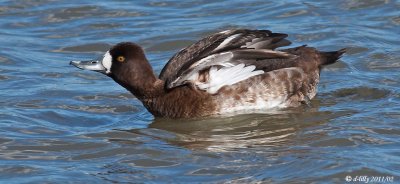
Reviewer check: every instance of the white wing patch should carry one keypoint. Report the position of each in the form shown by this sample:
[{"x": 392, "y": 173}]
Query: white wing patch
[
  {"x": 227, "y": 76},
  {"x": 220, "y": 59},
  {"x": 227, "y": 41},
  {"x": 226, "y": 31}
]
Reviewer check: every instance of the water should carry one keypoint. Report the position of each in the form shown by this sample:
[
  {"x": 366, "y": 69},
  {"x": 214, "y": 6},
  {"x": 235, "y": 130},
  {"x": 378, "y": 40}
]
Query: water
[{"x": 59, "y": 124}]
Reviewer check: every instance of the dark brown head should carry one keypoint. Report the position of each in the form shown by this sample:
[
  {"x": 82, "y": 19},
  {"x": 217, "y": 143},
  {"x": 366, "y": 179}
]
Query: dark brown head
[{"x": 126, "y": 64}]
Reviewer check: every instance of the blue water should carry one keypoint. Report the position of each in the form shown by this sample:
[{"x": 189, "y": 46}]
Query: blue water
[{"x": 59, "y": 124}]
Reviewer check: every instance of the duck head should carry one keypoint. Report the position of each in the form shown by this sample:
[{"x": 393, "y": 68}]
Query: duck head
[{"x": 126, "y": 63}]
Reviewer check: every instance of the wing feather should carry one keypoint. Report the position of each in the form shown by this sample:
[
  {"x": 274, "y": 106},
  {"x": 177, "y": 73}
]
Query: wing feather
[
  {"x": 261, "y": 59},
  {"x": 227, "y": 76},
  {"x": 222, "y": 42}
]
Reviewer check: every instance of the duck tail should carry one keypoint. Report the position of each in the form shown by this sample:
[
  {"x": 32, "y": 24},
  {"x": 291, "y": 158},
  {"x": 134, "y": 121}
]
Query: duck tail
[{"x": 328, "y": 58}]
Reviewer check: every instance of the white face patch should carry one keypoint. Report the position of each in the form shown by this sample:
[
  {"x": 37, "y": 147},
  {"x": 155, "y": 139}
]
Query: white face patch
[{"x": 107, "y": 61}]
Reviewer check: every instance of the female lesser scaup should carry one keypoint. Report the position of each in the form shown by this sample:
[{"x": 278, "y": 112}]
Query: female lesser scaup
[{"x": 230, "y": 71}]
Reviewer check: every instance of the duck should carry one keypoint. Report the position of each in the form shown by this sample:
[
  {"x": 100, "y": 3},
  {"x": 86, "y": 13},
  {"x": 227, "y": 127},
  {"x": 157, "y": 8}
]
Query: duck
[{"x": 235, "y": 71}]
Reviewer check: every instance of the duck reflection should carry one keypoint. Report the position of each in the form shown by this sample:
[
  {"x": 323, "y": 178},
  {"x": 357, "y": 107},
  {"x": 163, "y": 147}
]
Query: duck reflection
[{"x": 236, "y": 132}]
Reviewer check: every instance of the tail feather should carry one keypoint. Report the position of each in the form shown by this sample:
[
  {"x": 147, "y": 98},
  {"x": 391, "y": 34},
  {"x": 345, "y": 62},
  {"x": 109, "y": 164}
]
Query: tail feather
[{"x": 328, "y": 58}]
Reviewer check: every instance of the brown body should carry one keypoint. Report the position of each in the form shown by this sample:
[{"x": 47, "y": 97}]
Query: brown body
[
  {"x": 233, "y": 71},
  {"x": 293, "y": 84}
]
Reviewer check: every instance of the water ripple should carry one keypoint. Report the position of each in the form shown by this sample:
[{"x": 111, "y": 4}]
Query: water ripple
[{"x": 77, "y": 126}]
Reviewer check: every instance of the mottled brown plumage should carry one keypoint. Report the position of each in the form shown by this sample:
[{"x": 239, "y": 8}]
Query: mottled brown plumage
[{"x": 234, "y": 71}]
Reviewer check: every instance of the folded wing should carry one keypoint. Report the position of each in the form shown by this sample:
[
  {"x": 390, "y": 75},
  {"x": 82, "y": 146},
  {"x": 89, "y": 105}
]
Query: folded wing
[{"x": 226, "y": 58}]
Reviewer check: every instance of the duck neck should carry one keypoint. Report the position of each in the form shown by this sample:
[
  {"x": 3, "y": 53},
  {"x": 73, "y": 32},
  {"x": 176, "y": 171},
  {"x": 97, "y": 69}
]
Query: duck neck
[
  {"x": 143, "y": 85},
  {"x": 148, "y": 90}
]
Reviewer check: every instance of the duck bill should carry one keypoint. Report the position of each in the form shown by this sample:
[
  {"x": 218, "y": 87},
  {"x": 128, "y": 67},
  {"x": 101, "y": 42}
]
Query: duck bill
[{"x": 92, "y": 65}]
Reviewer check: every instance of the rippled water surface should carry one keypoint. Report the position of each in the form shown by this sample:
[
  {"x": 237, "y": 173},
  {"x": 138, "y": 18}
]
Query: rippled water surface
[{"x": 59, "y": 124}]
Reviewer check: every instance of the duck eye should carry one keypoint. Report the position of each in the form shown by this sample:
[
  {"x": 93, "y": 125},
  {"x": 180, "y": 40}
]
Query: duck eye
[{"x": 121, "y": 58}]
